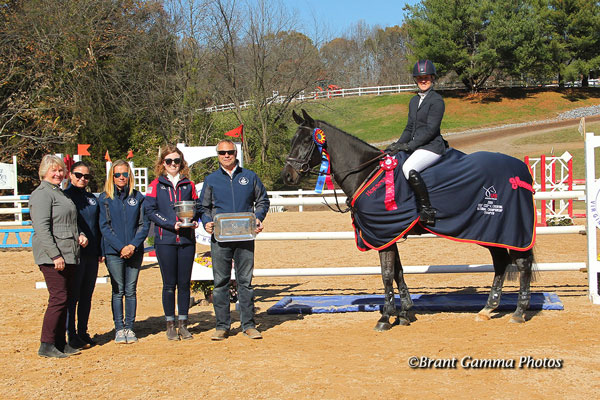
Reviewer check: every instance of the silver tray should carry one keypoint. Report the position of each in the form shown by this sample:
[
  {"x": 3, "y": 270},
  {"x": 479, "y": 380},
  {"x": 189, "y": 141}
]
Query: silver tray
[{"x": 235, "y": 227}]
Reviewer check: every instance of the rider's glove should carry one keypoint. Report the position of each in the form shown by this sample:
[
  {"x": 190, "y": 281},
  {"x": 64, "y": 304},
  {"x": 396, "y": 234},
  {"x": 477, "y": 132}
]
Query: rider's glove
[{"x": 396, "y": 147}]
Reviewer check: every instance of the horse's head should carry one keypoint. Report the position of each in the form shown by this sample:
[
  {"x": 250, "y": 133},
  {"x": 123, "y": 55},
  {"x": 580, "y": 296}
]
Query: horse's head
[{"x": 304, "y": 154}]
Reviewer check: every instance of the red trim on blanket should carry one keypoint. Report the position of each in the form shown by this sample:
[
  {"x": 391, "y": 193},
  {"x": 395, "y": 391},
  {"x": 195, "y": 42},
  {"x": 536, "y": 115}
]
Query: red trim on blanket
[
  {"x": 365, "y": 185},
  {"x": 382, "y": 247}
]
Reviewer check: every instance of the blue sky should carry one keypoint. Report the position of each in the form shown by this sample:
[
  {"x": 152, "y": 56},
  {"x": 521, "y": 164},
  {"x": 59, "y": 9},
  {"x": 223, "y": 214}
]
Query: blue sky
[{"x": 341, "y": 14}]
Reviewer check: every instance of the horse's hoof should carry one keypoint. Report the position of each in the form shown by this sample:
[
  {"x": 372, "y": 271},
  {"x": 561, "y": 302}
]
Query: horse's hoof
[
  {"x": 517, "y": 320},
  {"x": 482, "y": 316},
  {"x": 402, "y": 321},
  {"x": 383, "y": 326}
]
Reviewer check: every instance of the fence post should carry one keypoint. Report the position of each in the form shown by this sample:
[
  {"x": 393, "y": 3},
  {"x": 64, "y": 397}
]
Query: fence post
[
  {"x": 543, "y": 187},
  {"x": 570, "y": 185}
]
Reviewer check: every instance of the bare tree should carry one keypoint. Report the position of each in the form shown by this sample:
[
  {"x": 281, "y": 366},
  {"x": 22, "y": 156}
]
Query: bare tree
[{"x": 254, "y": 58}]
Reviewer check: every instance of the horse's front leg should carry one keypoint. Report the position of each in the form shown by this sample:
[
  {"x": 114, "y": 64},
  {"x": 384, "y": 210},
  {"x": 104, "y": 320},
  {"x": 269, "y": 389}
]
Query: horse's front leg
[
  {"x": 524, "y": 262},
  {"x": 501, "y": 261},
  {"x": 387, "y": 259},
  {"x": 405, "y": 316}
]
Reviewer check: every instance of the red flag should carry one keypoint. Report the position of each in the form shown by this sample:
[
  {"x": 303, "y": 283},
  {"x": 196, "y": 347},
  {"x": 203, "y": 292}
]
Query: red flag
[
  {"x": 130, "y": 154},
  {"x": 237, "y": 132},
  {"x": 82, "y": 149},
  {"x": 107, "y": 157},
  {"x": 68, "y": 161}
]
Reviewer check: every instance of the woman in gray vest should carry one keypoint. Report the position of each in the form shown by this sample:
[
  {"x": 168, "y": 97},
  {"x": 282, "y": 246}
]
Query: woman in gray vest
[{"x": 56, "y": 251}]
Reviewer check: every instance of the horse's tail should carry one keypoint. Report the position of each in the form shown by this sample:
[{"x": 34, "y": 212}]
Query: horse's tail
[{"x": 527, "y": 259}]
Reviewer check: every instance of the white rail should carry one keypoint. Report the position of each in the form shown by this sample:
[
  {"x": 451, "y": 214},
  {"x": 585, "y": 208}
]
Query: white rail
[
  {"x": 306, "y": 201},
  {"x": 411, "y": 269}
]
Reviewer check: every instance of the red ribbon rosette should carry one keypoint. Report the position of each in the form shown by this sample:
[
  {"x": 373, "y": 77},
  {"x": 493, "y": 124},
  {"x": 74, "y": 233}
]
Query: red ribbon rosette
[{"x": 388, "y": 164}]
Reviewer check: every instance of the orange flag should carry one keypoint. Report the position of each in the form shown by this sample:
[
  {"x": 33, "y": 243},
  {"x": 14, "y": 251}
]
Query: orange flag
[
  {"x": 82, "y": 149},
  {"x": 107, "y": 157},
  {"x": 237, "y": 132},
  {"x": 130, "y": 154}
]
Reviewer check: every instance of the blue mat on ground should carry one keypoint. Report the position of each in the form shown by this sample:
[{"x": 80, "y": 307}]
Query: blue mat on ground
[{"x": 422, "y": 302}]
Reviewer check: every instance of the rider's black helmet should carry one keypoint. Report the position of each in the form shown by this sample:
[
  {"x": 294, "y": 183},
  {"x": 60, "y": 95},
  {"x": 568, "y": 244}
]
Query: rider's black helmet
[{"x": 424, "y": 67}]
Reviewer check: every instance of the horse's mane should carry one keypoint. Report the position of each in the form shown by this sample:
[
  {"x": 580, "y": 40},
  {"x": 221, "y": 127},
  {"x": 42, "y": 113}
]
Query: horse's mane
[{"x": 351, "y": 136}]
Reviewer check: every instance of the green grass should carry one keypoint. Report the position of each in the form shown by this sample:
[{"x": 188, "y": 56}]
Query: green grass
[
  {"x": 567, "y": 139},
  {"x": 559, "y": 136}
]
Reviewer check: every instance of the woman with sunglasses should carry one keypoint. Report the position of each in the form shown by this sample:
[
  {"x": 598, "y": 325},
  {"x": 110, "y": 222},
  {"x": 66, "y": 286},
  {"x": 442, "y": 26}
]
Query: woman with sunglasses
[
  {"x": 175, "y": 245},
  {"x": 87, "y": 271},
  {"x": 124, "y": 228}
]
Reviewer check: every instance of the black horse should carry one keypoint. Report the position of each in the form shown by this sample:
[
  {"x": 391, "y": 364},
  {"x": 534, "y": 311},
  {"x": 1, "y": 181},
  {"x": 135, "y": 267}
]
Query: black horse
[{"x": 353, "y": 162}]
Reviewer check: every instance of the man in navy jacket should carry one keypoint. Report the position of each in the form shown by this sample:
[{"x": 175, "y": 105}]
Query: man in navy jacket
[{"x": 232, "y": 189}]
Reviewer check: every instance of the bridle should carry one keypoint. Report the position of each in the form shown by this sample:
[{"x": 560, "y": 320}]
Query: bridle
[{"x": 302, "y": 167}]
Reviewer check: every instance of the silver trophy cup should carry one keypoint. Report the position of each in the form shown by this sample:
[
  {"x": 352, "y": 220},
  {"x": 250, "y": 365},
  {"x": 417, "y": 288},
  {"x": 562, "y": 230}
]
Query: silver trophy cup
[{"x": 185, "y": 212}]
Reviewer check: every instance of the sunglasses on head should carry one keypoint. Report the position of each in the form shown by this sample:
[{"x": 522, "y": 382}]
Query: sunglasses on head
[
  {"x": 175, "y": 161},
  {"x": 79, "y": 175},
  {"x": 119, "y": 174},
  {"x": 223, "y": 152}
]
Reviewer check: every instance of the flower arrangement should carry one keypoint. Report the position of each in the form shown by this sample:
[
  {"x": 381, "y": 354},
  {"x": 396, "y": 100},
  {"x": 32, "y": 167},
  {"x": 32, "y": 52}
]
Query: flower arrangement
[{"x": 206, "y": 287}]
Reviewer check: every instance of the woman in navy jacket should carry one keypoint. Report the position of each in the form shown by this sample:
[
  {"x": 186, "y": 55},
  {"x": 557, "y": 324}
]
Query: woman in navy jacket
[
  {"x": 175, "y": 245},
  {"x": 87, "y": 270},
  {"x": 124, "y": 228}
]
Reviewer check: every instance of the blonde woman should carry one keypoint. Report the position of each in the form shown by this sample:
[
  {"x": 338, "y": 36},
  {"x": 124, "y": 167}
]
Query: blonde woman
[
  {"x": 124, "y": 228},
  {"x": 56, "y": 251}
]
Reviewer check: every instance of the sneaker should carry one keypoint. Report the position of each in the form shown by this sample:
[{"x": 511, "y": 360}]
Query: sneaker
[
  {"x": 252, "y": 333},
  {"x": 120, "y": 337},
  {"x": 220, "y": 335},
  {"x": 130, "y": 335}
]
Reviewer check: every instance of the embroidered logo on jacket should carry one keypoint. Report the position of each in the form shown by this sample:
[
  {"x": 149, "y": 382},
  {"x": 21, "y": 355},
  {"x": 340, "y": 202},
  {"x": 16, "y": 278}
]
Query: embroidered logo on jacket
[
  {"x": 92, "y": 202},
  {"x": 243, "y": 181},
  {"x": 132, "y": 202}
]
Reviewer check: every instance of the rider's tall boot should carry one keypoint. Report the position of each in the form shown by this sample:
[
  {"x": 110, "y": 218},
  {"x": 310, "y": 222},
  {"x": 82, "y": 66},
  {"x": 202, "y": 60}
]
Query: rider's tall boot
[{"x": 426, "y": 211}]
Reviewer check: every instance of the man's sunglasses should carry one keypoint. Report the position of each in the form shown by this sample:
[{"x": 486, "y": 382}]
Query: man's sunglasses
[
  {"x": 119, "y": 174},
  {"x": 79, "y": 175},
  {"x": 223, "y": 152},
  {"x": 175, "y": 161}
]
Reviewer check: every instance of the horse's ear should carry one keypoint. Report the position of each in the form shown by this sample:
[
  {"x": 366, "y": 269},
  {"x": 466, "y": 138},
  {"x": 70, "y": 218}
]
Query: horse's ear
[
  {"x": 308, "y": 119},
  {"x": 297, "y": 118}
]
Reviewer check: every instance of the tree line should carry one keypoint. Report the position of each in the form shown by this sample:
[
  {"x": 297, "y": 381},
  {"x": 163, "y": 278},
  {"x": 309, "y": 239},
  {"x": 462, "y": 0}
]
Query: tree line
[{"x": 131, "y": 75}]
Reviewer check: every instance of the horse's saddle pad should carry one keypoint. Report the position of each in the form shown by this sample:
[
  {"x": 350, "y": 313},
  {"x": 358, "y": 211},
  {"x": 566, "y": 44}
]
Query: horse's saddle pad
[{"x": 484, "y": 198}]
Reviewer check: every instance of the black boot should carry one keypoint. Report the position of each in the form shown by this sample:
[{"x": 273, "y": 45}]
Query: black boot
[
  {"x": 171, "y": 331},
  {"x": 50, "y": 351},
  {"x": 77, "y": 343},
  {"x": 183, "y": 330},
  {"x": 426, "y": 212}
]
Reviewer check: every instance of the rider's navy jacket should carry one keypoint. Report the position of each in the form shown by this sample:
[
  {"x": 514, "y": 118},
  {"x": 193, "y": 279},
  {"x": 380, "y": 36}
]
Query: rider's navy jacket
[
  {"x": 242, "y": 192},
  {"x": 422, "y": 129},
  {"x": 88, "y": 212},
  {"x": 160, "y": 200},
  {"x": 123, "y": 221}
]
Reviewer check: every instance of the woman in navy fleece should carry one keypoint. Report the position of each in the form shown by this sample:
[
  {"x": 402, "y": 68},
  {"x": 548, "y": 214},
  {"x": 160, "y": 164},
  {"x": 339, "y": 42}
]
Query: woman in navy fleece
[
  {"x": 175, "y": 245},
  {"x": 124, "y": 228},
  {"x": 87, "y": 271}
]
